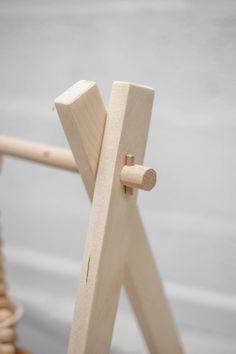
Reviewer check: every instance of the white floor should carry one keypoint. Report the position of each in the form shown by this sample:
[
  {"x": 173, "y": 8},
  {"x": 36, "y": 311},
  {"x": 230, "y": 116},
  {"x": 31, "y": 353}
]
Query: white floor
[{"x": 41, "y": 340}]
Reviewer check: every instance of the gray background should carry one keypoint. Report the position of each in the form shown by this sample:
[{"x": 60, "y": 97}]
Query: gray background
[{"x": 185, "y": 50}]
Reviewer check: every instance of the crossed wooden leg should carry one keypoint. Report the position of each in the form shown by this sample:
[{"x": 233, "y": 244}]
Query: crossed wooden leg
[{"x": 117, "y": 249}]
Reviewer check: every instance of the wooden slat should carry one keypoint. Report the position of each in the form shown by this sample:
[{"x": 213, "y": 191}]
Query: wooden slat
[
  {"x": 110, "y": 222},
  {"x": 83, "y": 117},
  {"x": 141, "y": 279}
]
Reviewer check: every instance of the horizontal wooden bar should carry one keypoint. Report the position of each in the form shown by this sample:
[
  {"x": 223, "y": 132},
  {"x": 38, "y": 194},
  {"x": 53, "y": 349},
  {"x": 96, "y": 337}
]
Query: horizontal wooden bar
[
  {"x": 132, "y": 176},
  {"x": 44, "y": 154}
]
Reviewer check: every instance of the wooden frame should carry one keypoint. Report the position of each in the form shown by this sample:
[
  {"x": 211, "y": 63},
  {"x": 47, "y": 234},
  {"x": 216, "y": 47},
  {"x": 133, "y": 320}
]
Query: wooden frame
[
  {"x": 108, "y": 149},
  {"x": 117, "y": 250}
]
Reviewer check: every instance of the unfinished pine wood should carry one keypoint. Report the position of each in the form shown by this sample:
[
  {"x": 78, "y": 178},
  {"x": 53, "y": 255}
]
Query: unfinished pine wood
[
  {"x": 44, "y": 154},
  {"x": 9, "y": 318},
  {"x": 144, "y": 287},
  {"x": 110, "y": 222},
  {"x": 82, "y": 114},
  {"x": 5, "y": 314},
  {"x": 22, "y": 351},
  {"x": 5, "y": 302},
  {"x": 138, "y": 176},
  {"x": 8, "y": 335},
  {"x": 129, "y": 161},
  {"x": 6, "y": 348},
  {"x": 3, "y": 288}
]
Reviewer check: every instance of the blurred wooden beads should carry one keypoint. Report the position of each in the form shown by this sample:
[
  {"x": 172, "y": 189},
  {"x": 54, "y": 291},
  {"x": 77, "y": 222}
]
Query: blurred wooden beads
[{"x": 7, "y": 326}]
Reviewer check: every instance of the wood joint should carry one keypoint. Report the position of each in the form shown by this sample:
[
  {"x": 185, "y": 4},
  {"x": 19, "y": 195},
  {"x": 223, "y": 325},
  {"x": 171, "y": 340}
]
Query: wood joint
[{"x": 137, "y": 176}]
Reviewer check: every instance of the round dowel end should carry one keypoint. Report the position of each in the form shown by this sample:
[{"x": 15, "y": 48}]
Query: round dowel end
[
  {"x": 22, "y": 351},
  {"x": 138, "y": 176},
  {"x": 149, "y": 179}
]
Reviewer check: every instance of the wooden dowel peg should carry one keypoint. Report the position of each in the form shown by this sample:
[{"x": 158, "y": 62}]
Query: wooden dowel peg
[
  {"x": 137, "y": 176},
  {"x": 44, "y": 154},
  {"x": 129, "y": 161}
]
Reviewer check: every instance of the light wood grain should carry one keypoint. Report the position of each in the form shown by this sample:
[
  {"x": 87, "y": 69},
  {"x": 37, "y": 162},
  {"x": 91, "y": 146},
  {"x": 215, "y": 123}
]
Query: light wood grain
[
  {"x": 82, "y": 114},
  {"x": 40, "y": 153},
  {"x": 110, "y": 222},
  {"x": 6, "y": 348},
  {"x": 8, "y": 335},
  {"x": 144, "y": 288},
  {"x": 138, "y": 176},
  {"x": 23, "y": 351},
  {"x": 141, "y": 278}
]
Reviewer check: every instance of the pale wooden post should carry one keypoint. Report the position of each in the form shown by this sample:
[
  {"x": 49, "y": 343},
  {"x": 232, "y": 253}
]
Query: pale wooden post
[{"x": 117, "y": 250}]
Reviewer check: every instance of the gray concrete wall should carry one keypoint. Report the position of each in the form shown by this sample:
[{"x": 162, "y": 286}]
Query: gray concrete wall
[{"x": 186, "y": 51}]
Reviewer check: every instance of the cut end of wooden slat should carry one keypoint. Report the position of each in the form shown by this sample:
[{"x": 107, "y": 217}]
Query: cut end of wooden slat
[
  {"x": 134, "y": 85},
  {"x": 83, "y": 116},
  {"x": 74, "y": 92},
  {"x": 149, "y": 179}
]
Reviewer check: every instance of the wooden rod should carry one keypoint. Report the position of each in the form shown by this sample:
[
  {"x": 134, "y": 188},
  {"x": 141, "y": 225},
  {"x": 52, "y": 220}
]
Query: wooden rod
[
  {"x": 138, "y": 176},
  {"x": 135, "y": 176},
  {"x": 44, "y": 154}
]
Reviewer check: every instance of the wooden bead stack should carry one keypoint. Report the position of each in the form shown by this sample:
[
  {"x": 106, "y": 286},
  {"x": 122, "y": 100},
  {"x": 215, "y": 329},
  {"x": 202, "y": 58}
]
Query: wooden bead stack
[{"x": 10, "y": 314}]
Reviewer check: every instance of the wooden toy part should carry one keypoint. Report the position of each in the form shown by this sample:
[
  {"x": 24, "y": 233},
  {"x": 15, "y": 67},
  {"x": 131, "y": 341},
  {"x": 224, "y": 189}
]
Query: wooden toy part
[
  {"x": 8, "y": 335},
  {"x": 137, "y": 176},
  {"x": 12, "y": 316},
  {"x": 117, "y": 250},
  {"x": 83, "y": 116},
  {"x": 44, "y": 154},
  {"x": 6, "y": 348},
  {"x": 10, "y": 313},
  {"x": 106, "y": 255},
  {"x": 22, "y": 351}
]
